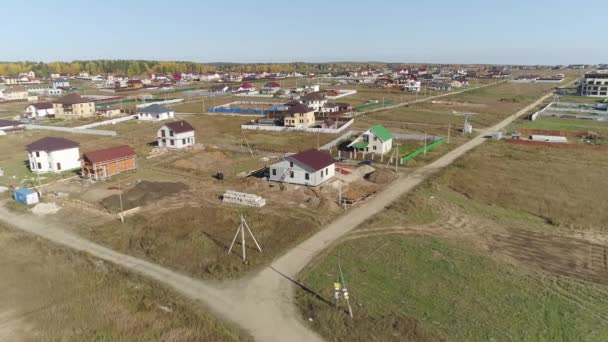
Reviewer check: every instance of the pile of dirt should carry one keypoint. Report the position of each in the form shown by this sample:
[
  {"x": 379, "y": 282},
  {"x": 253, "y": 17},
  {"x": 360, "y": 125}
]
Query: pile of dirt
[
  {"x": 143, "y": 193},
  {"x": 359, "y": 190},
  {"x": 381, "y": 176},
  {"x": 42, "y": 209}
]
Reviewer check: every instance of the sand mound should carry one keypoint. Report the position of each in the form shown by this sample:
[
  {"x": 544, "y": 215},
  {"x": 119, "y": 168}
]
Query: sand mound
[{"x": 42, "y": 209}]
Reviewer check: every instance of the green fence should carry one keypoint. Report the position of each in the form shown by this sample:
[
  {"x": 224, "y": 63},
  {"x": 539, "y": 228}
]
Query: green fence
[
  {"x": 422, "y": 150},
  {"x": 368, "y": 105}
]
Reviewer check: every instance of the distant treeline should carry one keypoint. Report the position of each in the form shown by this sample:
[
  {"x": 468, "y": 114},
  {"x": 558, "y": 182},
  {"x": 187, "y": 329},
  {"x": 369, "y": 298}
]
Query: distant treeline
[{"x": 138, "y": 67}]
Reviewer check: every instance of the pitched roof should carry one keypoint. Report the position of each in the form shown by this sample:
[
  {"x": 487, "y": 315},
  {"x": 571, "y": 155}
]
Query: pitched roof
[
  {"x": 50, "y": 144},
  {"x": 154, "y": 109},
  {"x": 9, "y": 123},
  {"x": 313, "y": 159},
  {"x": 247, "y": 85},
  {"x": 316, "y": 96},
  {"x": 381, "y": 132},
  {"x": 272, "y": 85},
  {"x": 180, "y": 126},
  {"x": 299, "y": 108},
  {"x": 109, "y": 154},
  {"x": 41, "y": 105},
  {"x": 72, "y": 99}
]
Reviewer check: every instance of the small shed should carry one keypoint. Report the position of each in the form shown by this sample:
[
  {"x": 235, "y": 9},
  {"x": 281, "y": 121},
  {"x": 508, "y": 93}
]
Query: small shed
[{"x": 26, "y": 196}]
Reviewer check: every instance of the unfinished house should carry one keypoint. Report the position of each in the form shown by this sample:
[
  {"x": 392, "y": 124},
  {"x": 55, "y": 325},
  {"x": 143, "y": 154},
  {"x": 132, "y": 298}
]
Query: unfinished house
[
  {"x": 377, "y": 139},
  {"x": 179, "y": 134},
  {"x": 103, "y": 164},
  {"x": 311, "y": 167}
]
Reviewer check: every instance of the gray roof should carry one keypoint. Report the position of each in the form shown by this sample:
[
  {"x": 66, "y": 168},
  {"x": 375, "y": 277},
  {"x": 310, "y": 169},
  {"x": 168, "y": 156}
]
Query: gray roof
[{"x": 154, "y": 109}]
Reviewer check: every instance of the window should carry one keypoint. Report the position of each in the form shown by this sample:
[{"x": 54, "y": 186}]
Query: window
[
  {"x": 162, "y": 133},
  {"x": 374, "y": 147},
  {"x": 274, "y": 172},
  {"x": 37, "y": 154},
  {"x": 306, "y": 176},
  {"x": 327, "y": 171},
  {"x": 183, "y": 141},
  {"x": 291, "y": 174},
  {"x": 290, "y": 164},
  {"x": 39, "y": 166},
  {"x": 171, "y": 142},
  {"x": 170, "y": 133},
  {"x": 375, "y": 138},
  {"x": 58, "y": 166}
]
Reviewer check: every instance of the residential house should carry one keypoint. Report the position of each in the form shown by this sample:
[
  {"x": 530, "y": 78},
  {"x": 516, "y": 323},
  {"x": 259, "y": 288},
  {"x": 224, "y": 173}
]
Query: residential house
[
  {"x": 73, "y": 106},
  {"x": 178, "y": 134},
  {"x": 52, "y": 154},
  {"x": 9, "y": 125},
  {"x": 40, "y": 110},
  {"x": 15, "y": 93},
  {"x": 155, "y": 112},
  {"x": 209, "y": 77},
  {"x": 60, "y": 83},
  {"x": 440, "y": 86},
  {"x": 246, "y": 87},
  {"x": 105, "y": 163},
  {"x": 412, "y": 86},
  {"x": 315, "y": 100},
  {"x": 270, "y": 88},
  {"x": 134, "y": 84},
  {"x": 219, "y": 89},
  {"x": 311, "y": 168},
  {"x": 109, "y": 111},
  {"x": 377, "y": 139},
  {"x": 299, "y": 116}
]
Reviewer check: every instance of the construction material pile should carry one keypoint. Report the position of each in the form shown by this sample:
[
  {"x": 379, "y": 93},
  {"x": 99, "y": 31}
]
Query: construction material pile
[{"x": 243, "y": 199}]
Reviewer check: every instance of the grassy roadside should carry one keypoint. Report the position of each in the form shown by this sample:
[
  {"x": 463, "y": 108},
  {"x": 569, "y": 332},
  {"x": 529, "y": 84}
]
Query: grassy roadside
[{"x": 48, "y": 293}]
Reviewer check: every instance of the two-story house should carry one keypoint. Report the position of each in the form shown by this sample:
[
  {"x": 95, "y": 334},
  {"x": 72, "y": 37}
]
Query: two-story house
[
  {"x": 73, "y": 106},
  {"x": 178, "y": 134},
  {"x": 52, "y": 154},
  {"x": 299, "y": 115},
  {"x": 377, "y": 139}
]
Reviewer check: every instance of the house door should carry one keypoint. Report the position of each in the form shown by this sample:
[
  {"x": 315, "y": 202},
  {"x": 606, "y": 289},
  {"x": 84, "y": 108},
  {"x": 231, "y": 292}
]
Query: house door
[{"x": 58, "y": 166}]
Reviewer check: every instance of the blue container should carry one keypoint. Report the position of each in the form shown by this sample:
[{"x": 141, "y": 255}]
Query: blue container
[{"x": 26, "y": 196}]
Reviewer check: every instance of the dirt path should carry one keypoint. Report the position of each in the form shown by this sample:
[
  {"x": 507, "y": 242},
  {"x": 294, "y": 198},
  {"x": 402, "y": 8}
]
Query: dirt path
[{"x": 262, "y": 303}]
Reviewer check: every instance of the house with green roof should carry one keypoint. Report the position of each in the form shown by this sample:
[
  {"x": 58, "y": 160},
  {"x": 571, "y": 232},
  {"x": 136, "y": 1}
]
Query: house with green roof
[{"x": 377, "y": 139}]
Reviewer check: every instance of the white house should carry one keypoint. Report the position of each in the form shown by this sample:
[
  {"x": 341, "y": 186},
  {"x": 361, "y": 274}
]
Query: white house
[
  {"x": 53, "y": 155},
  {"x": 377, "y": 140},
  {"x": 39, "y": 110},
  {"x": 209, "y": 77},
  {"x": 60, "y": 83},
  {"x": 246, "y": 87},
  {"x": 311, "y": 167},
  {"x": 178, "y": 134},
  {"x": 155, "y": 112},
  {"x": 270, "y": 88},
  {"x": 15, "y": 93},
  {"x": 314, "y": 100},
  {"x": 412, "y": 86}
]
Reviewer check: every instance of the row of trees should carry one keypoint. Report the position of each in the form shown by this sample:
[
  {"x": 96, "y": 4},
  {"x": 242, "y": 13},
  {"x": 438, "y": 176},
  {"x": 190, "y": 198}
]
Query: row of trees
[{"x": 137, "y": 67}]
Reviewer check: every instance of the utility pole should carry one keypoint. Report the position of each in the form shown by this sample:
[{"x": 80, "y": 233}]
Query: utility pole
[
  {"x": 344, "y": 293},
  {"x": 241, "y": 230},
  {"x": 122, "y": 217},
  {"x": 449, "y": 129}
]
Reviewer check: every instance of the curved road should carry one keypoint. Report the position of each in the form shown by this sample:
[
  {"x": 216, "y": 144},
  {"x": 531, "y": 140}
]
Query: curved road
[{"x": 262, "y": 304}]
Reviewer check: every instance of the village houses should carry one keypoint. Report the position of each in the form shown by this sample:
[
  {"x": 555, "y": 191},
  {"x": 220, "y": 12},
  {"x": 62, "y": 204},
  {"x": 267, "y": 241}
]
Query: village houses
[
  {"x": 178, "y": 134},
  {"x": 39, "y": 110},
  {"x": 377, "y": 139},
  {"x": 52, "y": 154},
  {"x": 73, "y": 106},
  {"x": 105, "y": 163},
  {"x": 311, "y": 167},
  {"x": 155, "y": 112}
]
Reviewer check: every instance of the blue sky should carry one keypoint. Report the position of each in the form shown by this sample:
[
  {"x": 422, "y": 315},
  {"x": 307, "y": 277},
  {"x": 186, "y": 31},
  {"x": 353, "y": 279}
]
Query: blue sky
[{"x": 440, "y": 31}]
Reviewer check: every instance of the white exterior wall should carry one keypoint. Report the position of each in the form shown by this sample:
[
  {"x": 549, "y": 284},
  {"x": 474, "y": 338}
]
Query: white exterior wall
[
  {"x": 299, "y": 173},
  {"x": 68, "y": 158},
  {"x": 32, "y": 112},
  {"x": 375, "y": 144},
  {"x": 181, "y": 140},
  {"x": 156, "y": 117}
]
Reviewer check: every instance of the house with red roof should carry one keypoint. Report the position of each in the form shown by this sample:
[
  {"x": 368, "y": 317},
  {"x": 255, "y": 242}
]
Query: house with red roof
[
  {"x": 52, "y": 154},
  {"x": 246, "y": 87},
  {"x": 105, "y": 163},
  {"x": 178, "y": 134},
  {"x": 311, "y": 168}
]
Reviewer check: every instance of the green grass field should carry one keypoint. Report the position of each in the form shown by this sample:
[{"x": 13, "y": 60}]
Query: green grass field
[{"x": 505, "y": 244}]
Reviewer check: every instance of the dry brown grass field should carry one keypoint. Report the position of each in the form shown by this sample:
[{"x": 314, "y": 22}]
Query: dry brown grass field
[{"x": 48, "y": 293}]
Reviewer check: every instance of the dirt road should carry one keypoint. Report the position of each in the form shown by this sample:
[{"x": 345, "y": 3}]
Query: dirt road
[{"x": 263, "y": 303}]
